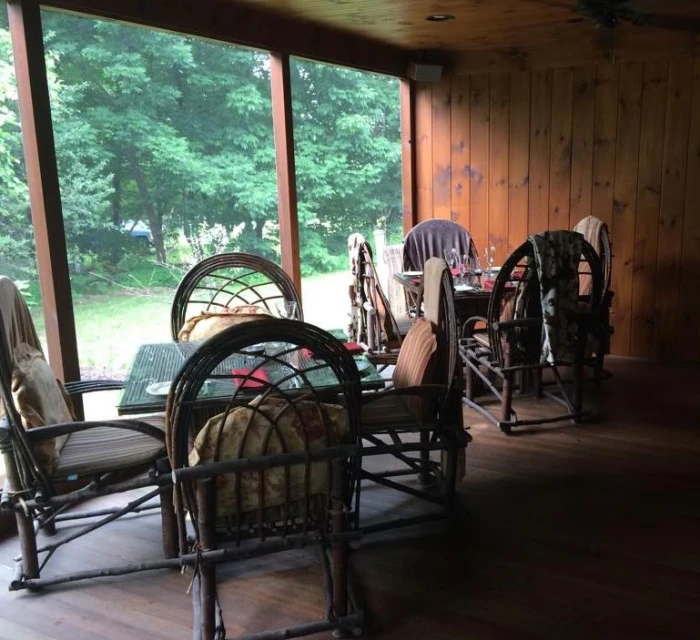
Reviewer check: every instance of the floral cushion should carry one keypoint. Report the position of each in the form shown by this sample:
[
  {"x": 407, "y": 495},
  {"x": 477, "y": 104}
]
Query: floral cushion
[
  {"x": 40, "y": 399},
  {"x": 209, "y": 323},
  {"x": 249, "y": 432},
  {"x": 556, "y": 257}
]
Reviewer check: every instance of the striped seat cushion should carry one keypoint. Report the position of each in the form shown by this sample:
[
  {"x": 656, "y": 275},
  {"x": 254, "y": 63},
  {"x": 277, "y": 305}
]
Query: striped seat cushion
[
  {"x": 414, "y": 365},
  {"x": 391, "y": 413},
  {"x": 106, "y": 449}
]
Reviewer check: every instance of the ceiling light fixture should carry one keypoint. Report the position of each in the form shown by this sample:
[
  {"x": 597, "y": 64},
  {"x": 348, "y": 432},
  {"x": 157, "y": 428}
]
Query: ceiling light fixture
[{"x": 439, "y": 17}]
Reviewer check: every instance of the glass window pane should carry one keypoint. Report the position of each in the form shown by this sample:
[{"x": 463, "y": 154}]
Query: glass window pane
[
  {"x": 166, "y": 155},
  {"x": 17, "y": 251},
  {"x": 348, "y": 162}
]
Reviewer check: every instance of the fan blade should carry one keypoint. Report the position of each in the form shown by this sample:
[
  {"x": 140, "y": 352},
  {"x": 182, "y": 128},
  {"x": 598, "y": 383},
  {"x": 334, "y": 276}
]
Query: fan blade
[
  {"x": 556, "y": 3},
  {"x": 658, "y": 20}
]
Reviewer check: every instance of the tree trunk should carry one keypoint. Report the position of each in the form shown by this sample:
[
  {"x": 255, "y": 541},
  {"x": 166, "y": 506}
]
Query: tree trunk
[
  {"x": 117, "y": 197},
  {"x": 155, "y": 221}
]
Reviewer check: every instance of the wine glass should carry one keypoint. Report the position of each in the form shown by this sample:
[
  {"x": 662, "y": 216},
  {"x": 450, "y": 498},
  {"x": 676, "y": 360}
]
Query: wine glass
[
  {"x": 452, "y": 258},
  {"x": 490, "y": 257},
  {"x": 463, "y": 268},
  {"x": 286, "y": 309}
]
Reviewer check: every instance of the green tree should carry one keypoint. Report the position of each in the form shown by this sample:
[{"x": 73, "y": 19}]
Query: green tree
[{"x": 177, "y": 132}]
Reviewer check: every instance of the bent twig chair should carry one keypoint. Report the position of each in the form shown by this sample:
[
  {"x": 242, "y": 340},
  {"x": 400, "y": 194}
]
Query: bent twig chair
[
  {"x": 277, "y": 467},
  {"x": 86, "y": 459},
  {"x": 376, "y": 328},
  {"x": 507, "y": 344},
  {"x": 424, "y": 415}
]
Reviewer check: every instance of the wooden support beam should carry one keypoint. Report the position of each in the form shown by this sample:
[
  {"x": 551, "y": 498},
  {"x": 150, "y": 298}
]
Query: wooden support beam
[
  {"x": 42, "y": 178},
  {"x": 286, "y": 169},
  {"x": 243, "y": 23},
  {"x": 408, "y": 154}
]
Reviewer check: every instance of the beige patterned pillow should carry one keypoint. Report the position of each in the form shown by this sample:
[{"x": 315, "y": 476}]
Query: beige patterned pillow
[
  {"x": 243, "y": 434},
  {"x": 40, "y": 399},
  {"x": 209, "y": 323}
]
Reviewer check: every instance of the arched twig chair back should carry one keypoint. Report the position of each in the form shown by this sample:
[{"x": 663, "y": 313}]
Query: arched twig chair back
[
  {"x": 281, "y": 457},
  {"x": 228, "y": 280},
  {"x": 596, "y": 233},
  {"x": 431, "y": 238},
  {"x": 376, "y": 327},
  {"x": 520, "y": 337}
]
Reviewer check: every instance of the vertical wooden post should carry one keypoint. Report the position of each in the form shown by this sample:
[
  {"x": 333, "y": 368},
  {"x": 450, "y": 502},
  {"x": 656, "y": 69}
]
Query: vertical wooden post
[
  {"x": 408, "y": 154},
  {"x": 286, "y": 169},
  {"x": 42, "y": 178}
]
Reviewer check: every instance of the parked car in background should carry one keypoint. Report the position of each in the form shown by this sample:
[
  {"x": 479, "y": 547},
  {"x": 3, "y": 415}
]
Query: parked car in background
[{"x": 138, "y": 229}]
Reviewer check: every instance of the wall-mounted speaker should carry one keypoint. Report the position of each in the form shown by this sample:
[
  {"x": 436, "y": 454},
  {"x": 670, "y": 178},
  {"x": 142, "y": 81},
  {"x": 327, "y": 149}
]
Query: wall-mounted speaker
[{"x": 421, "y": 72}]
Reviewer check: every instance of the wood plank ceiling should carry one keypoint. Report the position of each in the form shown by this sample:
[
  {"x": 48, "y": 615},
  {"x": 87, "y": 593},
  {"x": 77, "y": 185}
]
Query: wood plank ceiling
[{"x": 478, "y": 24}]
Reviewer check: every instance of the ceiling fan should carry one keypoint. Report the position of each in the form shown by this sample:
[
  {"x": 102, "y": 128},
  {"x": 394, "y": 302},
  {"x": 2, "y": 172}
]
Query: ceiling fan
[{"x": 609, "y": 14}]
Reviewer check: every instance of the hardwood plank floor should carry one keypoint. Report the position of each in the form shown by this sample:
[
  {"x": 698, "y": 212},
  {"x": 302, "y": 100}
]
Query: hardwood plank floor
[{"x": 572, "y": 532}]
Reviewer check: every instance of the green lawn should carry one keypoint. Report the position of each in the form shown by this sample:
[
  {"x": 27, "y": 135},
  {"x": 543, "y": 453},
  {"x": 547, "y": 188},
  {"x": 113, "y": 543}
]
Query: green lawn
[{"x": 110, "y": 328}]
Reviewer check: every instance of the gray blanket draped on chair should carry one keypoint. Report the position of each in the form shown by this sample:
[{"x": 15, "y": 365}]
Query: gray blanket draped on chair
[
  {"x": 557, "y": 255},
  {"x": 430, "y": 239}
]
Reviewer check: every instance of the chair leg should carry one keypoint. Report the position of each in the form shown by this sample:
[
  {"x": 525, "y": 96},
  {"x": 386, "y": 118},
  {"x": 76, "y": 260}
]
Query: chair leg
[
  {"x": 507, "y": 401},
  {"x": 27, "y": 544},
  {"x": 206, "y": 509},
  {"x": 469, "y": 383},
  {"x": 598, "y": 367},
  {"x": 424, "y": 476},
  {"x": 339, "y": 549},
  {"x": 577, "y": 399},
  {"x": 537, "y": 382},
  {"x": 168, "y": 523}
]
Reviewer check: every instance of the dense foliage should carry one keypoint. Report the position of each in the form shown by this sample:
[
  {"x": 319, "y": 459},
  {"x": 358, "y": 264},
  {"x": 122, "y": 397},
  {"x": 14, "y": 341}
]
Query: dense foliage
[{"x": 177, "y": 132}]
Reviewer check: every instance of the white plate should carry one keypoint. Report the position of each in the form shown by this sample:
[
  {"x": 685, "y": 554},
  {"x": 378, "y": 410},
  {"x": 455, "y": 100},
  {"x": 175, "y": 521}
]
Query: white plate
[
  {"x": 412, "y": 274},
  {"x": 465, "y": 287},
  {"x": 159, "y": 388}
]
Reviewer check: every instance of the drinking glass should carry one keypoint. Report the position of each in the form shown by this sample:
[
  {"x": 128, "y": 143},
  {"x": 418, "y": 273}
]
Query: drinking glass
[
  {"x": 463, "y": 269},
  {"x": 475, "y": 271},
  {"x": 490, "y": 257},
  {"x": 286, "y": 309},
  {"x": 452, "y": 258}
]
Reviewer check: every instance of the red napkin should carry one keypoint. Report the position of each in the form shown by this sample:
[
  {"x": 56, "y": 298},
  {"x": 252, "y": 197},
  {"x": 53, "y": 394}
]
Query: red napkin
[
  {"x": 258, "y": 379},
  {"x": 415, "y": 281},
  {"x": 455, "y": 271},
  {"x": 353, "y": 347},
  {"x": 487, "y": 285},
  {"x": 307, "y": 353}
]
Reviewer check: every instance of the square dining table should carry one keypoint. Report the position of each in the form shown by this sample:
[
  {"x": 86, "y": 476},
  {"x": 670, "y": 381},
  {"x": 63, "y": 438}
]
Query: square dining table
[
  {"x": 469, "y": 301},
  {"x": 156, "y": 365}
]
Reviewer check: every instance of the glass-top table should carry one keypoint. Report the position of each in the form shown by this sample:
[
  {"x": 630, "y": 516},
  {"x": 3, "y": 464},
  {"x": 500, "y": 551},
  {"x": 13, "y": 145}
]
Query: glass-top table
[{"x": 156, "y": 365}]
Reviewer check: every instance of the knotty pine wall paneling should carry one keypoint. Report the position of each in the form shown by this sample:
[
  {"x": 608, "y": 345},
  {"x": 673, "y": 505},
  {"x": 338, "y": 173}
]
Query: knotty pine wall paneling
[{"x": 508, "y": 154}]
